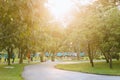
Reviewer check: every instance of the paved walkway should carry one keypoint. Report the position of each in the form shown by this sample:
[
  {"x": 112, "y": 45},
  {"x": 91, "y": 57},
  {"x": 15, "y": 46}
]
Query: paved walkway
[{"x": 46, "y": 71}]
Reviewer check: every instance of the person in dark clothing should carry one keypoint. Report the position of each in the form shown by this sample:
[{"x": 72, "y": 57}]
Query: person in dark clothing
[{"x": 13, "y": 57}]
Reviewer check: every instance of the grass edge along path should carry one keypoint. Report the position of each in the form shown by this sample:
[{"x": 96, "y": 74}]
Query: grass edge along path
[
  {"x": 101, "y": 68},
  {"x": 12, "y": 72}
]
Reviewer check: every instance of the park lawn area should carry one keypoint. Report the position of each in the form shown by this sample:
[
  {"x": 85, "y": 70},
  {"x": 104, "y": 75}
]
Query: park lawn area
[
  {"x": 12, "y": 73},
  {"x": 100, "y": 68}
]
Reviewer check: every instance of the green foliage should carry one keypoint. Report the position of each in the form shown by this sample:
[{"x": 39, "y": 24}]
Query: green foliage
[{"x": 25, "y": 24}]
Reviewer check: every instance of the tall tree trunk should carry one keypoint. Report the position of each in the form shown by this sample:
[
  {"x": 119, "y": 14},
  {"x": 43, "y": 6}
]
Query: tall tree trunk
[
  {"x": 9, "y": 55},
  {"x": 21, "y": 56},
  {"x": 110, "y": 62},
  {"x": 90, "y": 55},
  {"x": 41, "y": 57},
  {"x": 106, "y": 57}
]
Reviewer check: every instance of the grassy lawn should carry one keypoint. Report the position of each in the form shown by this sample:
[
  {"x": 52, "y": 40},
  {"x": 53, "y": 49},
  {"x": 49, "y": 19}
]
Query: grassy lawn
[
  {"x": 100, "y": 68},
  {"x": 15, "y": 70},
  {"x": 13, "y": 73}
]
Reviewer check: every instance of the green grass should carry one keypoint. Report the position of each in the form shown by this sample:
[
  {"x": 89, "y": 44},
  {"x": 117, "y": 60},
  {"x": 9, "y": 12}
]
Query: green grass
[
  {"x": 11, "y": 73},
  {"x": 100, "y": 68}
]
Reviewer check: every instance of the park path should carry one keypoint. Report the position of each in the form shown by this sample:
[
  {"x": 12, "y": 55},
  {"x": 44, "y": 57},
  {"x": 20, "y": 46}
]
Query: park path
[{"x": 47, "y": 71}]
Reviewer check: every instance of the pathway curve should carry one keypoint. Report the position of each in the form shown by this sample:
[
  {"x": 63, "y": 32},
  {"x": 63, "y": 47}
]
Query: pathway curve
[{"x": 46, "y": 71}]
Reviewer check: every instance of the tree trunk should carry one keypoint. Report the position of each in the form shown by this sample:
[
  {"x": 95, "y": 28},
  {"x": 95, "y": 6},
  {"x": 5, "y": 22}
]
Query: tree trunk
[
  {"x": 9, "y": 55},
  {"x": 110, "y": 62},
  {"x": 117, "y": 57},
  {"x": 106, "y": 57},
  {"x": 41, "y": 57},
  {"x": 21, "y": 56},
  {"x": 90, "y": 55},
  {"x": 78, "y": 56},
  {"x": 53, "y": 57}
]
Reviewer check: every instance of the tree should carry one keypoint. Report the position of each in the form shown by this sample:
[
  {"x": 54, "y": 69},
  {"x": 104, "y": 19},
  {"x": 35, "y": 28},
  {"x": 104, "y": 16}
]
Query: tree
[{"x": 110, "y": 32}]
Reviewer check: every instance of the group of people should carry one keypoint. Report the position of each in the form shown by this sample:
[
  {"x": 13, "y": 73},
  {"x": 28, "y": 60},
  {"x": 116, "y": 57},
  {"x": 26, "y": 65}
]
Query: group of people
[{"x": 5, "y": 56}]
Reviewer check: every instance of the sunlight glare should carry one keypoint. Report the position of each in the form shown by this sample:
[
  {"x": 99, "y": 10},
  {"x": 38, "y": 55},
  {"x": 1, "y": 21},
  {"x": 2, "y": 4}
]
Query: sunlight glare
[{"x": 59, "y": 8}]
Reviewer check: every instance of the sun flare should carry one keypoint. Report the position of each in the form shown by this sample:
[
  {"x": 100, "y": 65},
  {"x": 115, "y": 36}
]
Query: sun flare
[
  {"x": 62, "y": 10},
  {"x": 59, "y": 8}
]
